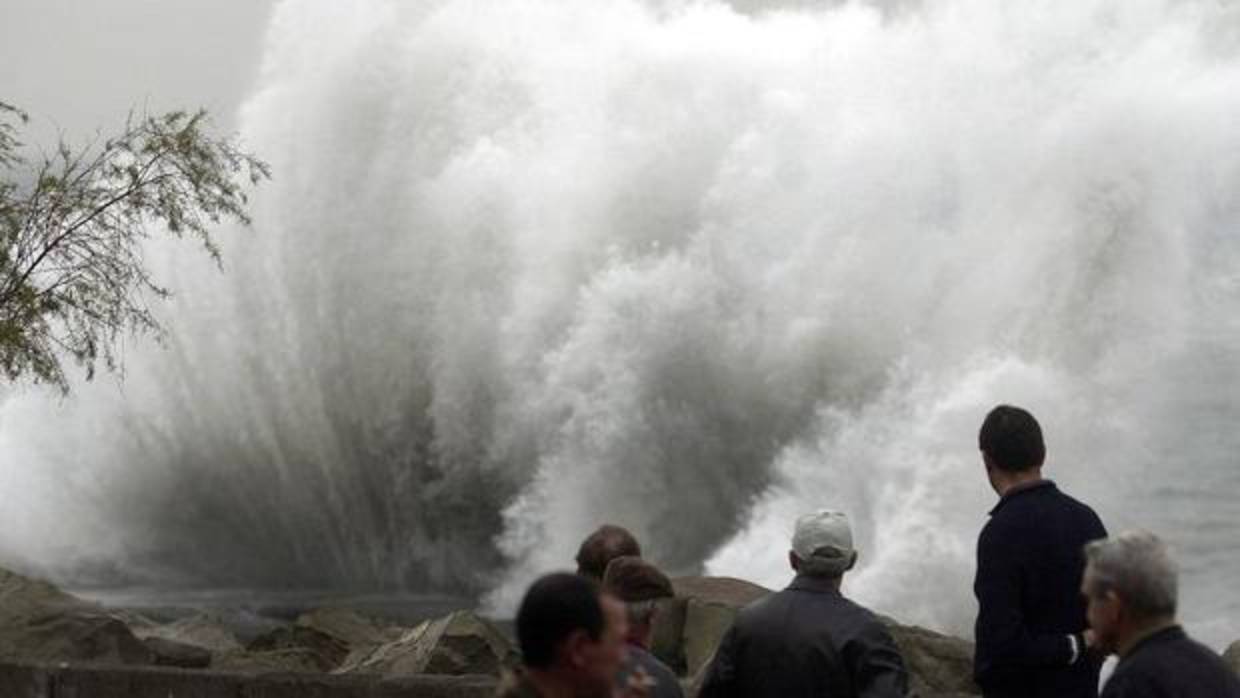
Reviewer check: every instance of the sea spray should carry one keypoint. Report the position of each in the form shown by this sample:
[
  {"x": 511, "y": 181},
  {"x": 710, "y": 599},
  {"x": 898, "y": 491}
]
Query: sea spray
[{"x": 528, "y": 266}]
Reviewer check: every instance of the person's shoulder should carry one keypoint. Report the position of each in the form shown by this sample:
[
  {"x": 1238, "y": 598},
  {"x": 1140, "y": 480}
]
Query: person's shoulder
[
  {"x": 667, "y": 682},
  {"x": 755, "y": 611},
  {"x": 1120, "y": 685},
  {"x": 1155, "y": 665},
  {"x": 863, "y": 620},
  {"x": 1071, "y": 501},
  {"x": 1140, "y": 675},
  {"x": 770, "y": 602},
  {"x": 1001, "y": 525},
  {"x": 649, "y": 662},
  {"x": 1207, "y": 659},
  {"x": 1082, "y": 511}
]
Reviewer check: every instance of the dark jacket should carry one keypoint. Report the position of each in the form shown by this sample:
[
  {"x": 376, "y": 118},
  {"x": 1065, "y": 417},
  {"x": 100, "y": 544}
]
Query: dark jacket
[
  {"x": 1168, "y": 664},
  {"x": 806, "y": 641},
  {"x": 1030, "y": 558},
  {"x": 666, "y": 685}
]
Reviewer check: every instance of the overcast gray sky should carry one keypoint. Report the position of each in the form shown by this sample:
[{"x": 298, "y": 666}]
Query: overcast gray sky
[{"x": 80, "y": 65}]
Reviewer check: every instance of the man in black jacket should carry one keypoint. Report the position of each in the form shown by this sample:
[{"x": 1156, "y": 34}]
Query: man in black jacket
[
  {"x": 808, "y": 641},
  {"x": 1131, "y": 583},
  {"x": 1030, "y": 558}
]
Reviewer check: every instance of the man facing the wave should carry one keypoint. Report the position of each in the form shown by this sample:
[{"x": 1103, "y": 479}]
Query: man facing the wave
[
  {"x": 1030, "y": 560},
  {"x": 808, "y": 640}
]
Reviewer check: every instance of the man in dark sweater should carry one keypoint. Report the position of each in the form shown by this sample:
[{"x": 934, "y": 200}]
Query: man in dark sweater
[
  {"x": 1131, "y": 585},
  {"x": 808, "y": 641},
  {"x": 1030, "y": 559}
]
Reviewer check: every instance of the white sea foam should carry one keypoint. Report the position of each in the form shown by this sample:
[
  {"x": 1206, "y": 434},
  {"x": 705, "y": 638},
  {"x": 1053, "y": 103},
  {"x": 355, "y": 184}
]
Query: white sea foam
[{"x": 528, "y": 266}]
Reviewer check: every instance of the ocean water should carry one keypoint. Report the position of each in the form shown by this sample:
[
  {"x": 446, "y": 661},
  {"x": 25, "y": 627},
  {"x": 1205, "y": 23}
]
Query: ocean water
[{"x": 692, "y": 267}]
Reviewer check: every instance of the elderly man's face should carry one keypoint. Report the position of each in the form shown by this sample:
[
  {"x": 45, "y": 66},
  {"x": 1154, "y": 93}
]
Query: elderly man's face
[{"x": 1103, "y": 613}]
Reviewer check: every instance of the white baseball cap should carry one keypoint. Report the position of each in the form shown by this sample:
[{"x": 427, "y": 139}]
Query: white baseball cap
[{"x": 824, "y": 540}]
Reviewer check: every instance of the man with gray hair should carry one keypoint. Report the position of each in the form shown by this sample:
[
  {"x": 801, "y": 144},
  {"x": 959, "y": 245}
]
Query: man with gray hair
[
  {"x": 642, "y": 586},
  {"x": 1131, "y": 586},
  {"x": 808, "y": 640}
]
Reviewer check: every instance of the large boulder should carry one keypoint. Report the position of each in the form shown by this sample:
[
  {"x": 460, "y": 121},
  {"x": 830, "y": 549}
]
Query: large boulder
[
  {"x": 689, "y": 627},
  {"x": 177, "y": 654},
  {"x": 355, "y": 630},
  {"x": 1232, "y": 656},
  {"x": 203, "y": 630},
  {"x": 724, "y": 591},
  {"x": 42, "y": 623},
  {"x": 940, "y": 666},
  {"x": 458, "y": 644},
  {"x": 325, "y": 652},
  {"x": 295, "y": 660}
]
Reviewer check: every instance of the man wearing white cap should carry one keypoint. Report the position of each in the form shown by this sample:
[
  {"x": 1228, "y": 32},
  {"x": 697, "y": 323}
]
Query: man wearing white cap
[{"x": 808, "y": 640}]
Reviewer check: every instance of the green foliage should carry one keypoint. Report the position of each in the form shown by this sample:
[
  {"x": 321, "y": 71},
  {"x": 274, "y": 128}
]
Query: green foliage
[{"x": 72, "y": 226}]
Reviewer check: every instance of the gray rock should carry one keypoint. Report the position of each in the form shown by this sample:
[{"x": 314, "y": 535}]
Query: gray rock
[
  {"x": 352, "y": 628},
  {"x": 177, "y": 654},
  {"x": 295, "y": 660},
  {"x": 204, "y": 630},
  {"x": 679, "y": 641},
  {"x": 326, "y": 651},
  {"x": 706, "y": 622},
  {"x": 939, "y": 665},
  {"x": 1232, "y": 656},
  {"x": 667, "y": 642},
  {"x": 23, "y": 596},
  {"x": 461, "y": 643},
  {"x": 42, "y": 623},
  {"x": 725, "y": 591}
]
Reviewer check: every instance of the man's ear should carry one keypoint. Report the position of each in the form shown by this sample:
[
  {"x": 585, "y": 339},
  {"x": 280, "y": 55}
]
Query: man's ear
[
  {"x": 574, "y": 649},
  {"x": 987, "y": 461},
  {"x": 1115, "y": 605}
]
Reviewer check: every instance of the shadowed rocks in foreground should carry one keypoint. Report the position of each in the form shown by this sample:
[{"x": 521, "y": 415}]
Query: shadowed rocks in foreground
[{"x": 350, "y": 652}]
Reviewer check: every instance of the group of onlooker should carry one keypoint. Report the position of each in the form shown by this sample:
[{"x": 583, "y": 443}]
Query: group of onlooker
[{"x": 1055, "y": 597}]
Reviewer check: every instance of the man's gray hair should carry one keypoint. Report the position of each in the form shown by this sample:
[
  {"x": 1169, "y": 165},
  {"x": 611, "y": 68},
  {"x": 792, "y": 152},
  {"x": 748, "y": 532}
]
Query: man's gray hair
[
  {"x": 1137, "y": 566},
  {"x": 642, "y": 612}
]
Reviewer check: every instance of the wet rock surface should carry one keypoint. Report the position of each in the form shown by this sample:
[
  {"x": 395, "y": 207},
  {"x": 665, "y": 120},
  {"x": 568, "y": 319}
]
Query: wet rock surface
[
  {"x": 461, "y": 643},
  {"x": 39, "y": 622}
]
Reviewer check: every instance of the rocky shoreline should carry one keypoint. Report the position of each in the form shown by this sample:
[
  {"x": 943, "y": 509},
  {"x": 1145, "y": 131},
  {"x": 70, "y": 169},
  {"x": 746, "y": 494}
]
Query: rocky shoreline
[{"x": 43, "y": 626}]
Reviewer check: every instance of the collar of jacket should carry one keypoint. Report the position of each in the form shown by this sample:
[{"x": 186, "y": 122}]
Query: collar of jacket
[
  {"x": 817, "y": 585},
  {"x": 1017, "y": 491},
  {"x": 1170, "y": 633}
]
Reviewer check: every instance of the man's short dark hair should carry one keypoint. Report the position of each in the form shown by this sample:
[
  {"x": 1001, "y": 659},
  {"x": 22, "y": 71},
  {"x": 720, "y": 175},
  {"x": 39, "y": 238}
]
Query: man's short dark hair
[
  {"x": 601, "y": 547},
  {"x": 633, "y": 580},
  {"x": 1012, "y": 439},
  {"x": 554, "y": 607}
]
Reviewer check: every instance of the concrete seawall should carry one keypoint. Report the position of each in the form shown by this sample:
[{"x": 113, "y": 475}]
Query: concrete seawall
[{"x": 92, "y": 681}]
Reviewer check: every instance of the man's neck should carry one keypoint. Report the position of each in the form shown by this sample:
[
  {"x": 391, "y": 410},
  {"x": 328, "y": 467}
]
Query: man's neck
[
  {"x": 1142, "y": 633},
  {"x": 640, "y": 637},
  {"x": 821, "y": 582},
  {"x": 1014, "y": 482},
  {"x": 548, "y": 684}
]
